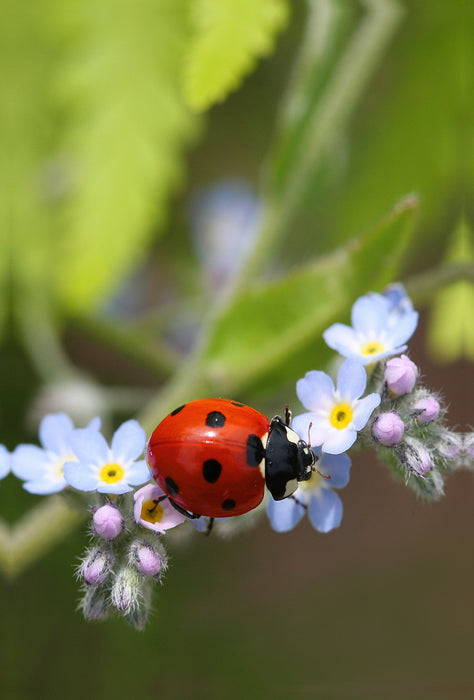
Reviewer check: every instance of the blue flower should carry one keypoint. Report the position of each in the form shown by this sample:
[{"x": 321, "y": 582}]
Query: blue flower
[
  {"x": 336, "y": 415},
  {"x": 381, "y": 325},
  {"x": 315, "y": 496},
  {"x": 42, "y": 469},
  {"x": 105, "y": 469},
  {"x": 5, "y": 461}
]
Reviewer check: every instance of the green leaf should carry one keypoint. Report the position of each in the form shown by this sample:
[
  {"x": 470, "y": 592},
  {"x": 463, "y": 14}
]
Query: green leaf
[
  {"x": 228, "y": 39},
  {"x": 267, "y": 325},
  {"x": 124, "y": 132},
  {"x": 451, "y": 329}
]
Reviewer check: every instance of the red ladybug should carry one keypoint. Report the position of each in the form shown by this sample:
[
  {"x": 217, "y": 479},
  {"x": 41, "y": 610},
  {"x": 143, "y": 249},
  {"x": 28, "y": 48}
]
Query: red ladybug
[{"x": 213, "y": 457}]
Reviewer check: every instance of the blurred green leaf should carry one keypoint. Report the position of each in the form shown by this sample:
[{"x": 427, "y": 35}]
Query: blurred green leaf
[
  {"x": 26, "y": 135},
  {"x": 268, "y": 324},
  {"x": 228, "y": 39},
  {"x": 451, "y": 329},
  {"x": 124, "y": 129}
]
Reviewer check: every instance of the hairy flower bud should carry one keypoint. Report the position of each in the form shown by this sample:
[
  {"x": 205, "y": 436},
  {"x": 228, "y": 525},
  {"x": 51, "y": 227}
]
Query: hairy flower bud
[
  {"x": 401, "y": 375},
  {"x": 146, "y": 558},
  {"x": 96, "y": 566},
  {"x": 416, "y": 457},
  {"x": 95, "y": 603},
  {"x": 427, "y": 409},
  {"x": 388, "y": 429},
  {"x": 126, "y": 590},
  {"x": 107, "y": 521}
]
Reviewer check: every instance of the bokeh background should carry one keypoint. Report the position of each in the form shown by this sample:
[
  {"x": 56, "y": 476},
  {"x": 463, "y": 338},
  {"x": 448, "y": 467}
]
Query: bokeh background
[{"x": 112, "y": 280}]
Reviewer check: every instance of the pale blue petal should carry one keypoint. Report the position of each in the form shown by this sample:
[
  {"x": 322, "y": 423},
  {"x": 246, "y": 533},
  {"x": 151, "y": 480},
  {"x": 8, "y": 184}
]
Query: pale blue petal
[
  {"x": 29, "y": 461},
  {"x": 128, "y": 441},
  {"x": 403, "y": 328},
  {"x": 399, "y": 301},
  {"x": 80, "y": 476},
  {"x": 351, "y": 379},
  {"x": 342, "y": 338},
  {"x": 138, "y": 473},
  {"x": 301, "y": 425},
  {"x": 315, "y": 389},
  {"x": 55, "y": 432},
  {"x": 95, "y": 423},
  {"x": 42, "y": 487},
  {"x": 337, "y": 467},
  {"x": 370, "y": 315},
  {"x": 364, "y": 409},
  {"x": 325, "y": 510},
  {"x": 338, "y": 441},
  {"x": 5, "y": 461},
  {"x": 118, "y": 488},
  {"x": 284, "y": 515},
  {"x": 89, "y": 446}
]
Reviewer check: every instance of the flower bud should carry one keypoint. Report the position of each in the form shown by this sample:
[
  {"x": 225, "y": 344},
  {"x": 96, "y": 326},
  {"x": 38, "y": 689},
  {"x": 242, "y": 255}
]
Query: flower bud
[
  {"x": 126, "y": 590},
  {"x": 96, "y": 566},
  {"x": 416, "y": 457},
  {"x": 427, "y": 409},
  {"x": 107, "y": 522},
  {"x": 401, "y": 375},
  {"x": 388, "y": 429},
  {"x": 95, "y": 603},
  {"x": 146, "y": 558}
]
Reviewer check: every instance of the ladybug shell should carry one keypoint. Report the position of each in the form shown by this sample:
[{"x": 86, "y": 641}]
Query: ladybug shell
[{"x": 206, "y": 456}]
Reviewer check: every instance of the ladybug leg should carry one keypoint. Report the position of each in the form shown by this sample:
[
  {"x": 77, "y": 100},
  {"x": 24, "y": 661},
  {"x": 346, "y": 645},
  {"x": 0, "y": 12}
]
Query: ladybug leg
[
  {"x": 186, "y": 513},
  {"x": 300, "y": 503},
  {"x": 210, "y": 525}
]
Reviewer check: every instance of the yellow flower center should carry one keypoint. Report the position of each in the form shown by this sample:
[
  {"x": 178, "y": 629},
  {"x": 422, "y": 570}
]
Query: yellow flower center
[
  {"x": 59, "y": 466},
  {"x": 341, "y": 416},
  {"x": 373, "y": 347},
  {"x": 312, "y": 483},
  {"x": 152, "y": 512},
  {"x": 111, "y": 473}
]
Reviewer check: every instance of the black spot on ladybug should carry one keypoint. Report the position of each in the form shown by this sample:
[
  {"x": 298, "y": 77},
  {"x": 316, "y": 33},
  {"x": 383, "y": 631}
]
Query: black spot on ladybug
[
  {"x": 228, "y": 504},
  {"x": 236, "y": 403},
  {"x": 255, "y": 451},
  {"x": 215, "y": 419},
  {"x": 177, "y": 410},
  {"x": 171, "y": 486},
  {"x": 211, "y": 470}
]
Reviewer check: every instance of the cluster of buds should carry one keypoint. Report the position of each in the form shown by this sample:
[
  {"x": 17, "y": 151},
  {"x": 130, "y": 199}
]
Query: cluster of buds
[
  {"x": 408, "y": 428},
  {"x": 120, "y": 566}
]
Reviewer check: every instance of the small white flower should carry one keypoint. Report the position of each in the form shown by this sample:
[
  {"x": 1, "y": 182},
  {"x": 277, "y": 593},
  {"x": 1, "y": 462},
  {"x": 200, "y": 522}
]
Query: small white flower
[
  {"x": 336, "y": 415},
  {"x": 42, "y": 468},
  {"x": 105, "y": 469},
  {"x": 379, "y": 329}
]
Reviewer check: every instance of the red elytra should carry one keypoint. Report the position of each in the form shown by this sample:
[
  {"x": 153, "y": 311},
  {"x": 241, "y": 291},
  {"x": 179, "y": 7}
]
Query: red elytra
[{"x": 207, "y": 456}]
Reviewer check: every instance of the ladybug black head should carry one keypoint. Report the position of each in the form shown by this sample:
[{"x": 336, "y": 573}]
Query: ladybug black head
[{"x": 288, "y": 460}]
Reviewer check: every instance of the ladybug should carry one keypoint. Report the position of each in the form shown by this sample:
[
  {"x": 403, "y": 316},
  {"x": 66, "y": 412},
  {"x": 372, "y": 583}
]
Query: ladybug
[{"x": 213, "y": 457}]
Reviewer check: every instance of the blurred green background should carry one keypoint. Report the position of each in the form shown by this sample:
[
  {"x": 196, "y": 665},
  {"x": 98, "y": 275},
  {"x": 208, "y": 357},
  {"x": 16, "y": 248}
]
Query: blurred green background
[{"x": 106, "y": 145}]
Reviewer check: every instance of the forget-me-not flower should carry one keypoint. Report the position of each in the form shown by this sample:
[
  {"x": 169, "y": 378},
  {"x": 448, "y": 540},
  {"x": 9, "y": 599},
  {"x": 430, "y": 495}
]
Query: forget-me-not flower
[
  {"x": 105, "y": 469},
  {"x": 154, "y": 511},
  {"x": 5, "y": 461},
  {"x": 381, "y": 325},
  {"x": 42, "y": 468},
  {"x": 315, "y": 496},
  {"x": 335, "y": 415}
]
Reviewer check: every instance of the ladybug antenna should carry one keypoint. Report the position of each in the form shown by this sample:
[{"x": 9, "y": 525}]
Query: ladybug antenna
[
  {"x": 287, "y": 415},
  {"x": 316, "y": 458}
]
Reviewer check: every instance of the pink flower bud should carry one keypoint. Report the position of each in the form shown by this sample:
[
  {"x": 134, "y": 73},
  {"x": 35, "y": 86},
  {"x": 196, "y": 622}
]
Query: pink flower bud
[
  {"x": 96, "y": 566},
  {"x": 388, "y": 429},
  {"x": 429, "y": 408},
  {"x": 401, "y": 375},
  {"x": 147, "y": 559},
  {"x": 108, "y": 522},
  {"x": 417, "y": 458}
]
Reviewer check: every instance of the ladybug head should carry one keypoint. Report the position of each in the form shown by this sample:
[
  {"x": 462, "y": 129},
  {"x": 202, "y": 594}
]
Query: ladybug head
[{"x": 288, "y": 460}]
